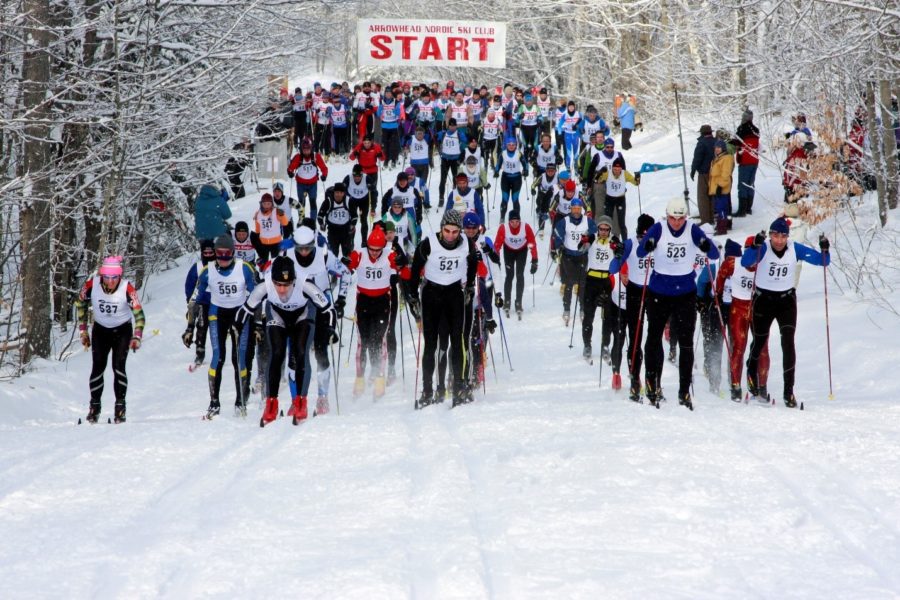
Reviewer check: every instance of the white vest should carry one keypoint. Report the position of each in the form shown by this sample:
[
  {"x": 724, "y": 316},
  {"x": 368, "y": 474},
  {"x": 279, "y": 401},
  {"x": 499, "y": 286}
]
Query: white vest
[
  {"x": 450, "y": 144},
  {"x": 244, "y": 251},
  {"x": 460, "y": 113},
  {"x": 374, "y": 275},
  {"x": 544, "y": 106},
  {"x": 339, "y": 213},
  {"x": 490, "y": 130},
  {"x": 269, "y": 226},
  {"x": 339, "y": 115},
  {"x": 546, "y": 184},
  {"x": 227, "y": 291},
  {"x": 544, "y": 158},
  {"x": 515, "y": 241},
  {"x": 740, "y": 285},
  {"x": 110, "y": 310},
  {"x": 408, "y": 196},
  {"x": 637, "y": 267},
  {"x": 529, "y": 116},
  {"x": 675, "y": 255},
  {"x": 615, "y": 186},
  {"x": 619, "y": 295},
  {"x": 600, "y": 256},
  {"x": 563, "y": 204},
  {"x": 572, "y": 239},
  {"x": 570, "y": 122},
  {"x": 357, "y": 190},
  {"x": 512, "y": 165},
  {"x": 426, "y": 111},
  {"x": 588, "y": 129},
  {"x": 390, "y": 112},
  {"x": 401, "y": 224},
  {"x": 308, "y": 168},
  {"x": 418, "y": 150},
  {"x": 777, "y": 274},
  {"x": 444, "y": 266}
]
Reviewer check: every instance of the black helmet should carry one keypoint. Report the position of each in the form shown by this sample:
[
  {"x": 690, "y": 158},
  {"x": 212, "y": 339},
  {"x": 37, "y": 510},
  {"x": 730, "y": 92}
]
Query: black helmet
[{"x": 282, "y": 270}]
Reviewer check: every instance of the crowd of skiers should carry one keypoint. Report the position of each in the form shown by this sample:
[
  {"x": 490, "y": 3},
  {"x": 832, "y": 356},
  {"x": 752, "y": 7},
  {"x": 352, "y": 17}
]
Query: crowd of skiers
[{"x": 277, "y": 286}]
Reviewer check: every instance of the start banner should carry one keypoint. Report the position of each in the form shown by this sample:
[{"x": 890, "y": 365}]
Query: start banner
[{"x": 431, "y": 43}]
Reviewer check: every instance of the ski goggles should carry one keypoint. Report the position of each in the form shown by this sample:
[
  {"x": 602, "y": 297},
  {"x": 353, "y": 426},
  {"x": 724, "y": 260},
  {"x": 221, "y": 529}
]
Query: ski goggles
[{"x": 224, "y": 254}]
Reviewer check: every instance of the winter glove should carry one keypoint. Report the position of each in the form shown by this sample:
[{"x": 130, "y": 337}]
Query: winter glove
[
  {"x": 552, "y": 215},
  {"x": 649, "y": 245},
  {"x": 534, "y": 267},
  {"x": 187, "y": 337},
  {"x": 490, "y": 325},
  {"x": 339, "y": 305},
  {"x": 487, "y": 186},
  {"x": 760, "y": 239},
  {"x": 590, "y": 214},
  {"x": 637, "y": 179},
  {"x": 692, "y": 175},
  {"x": 585, "y": 239},
  {"x": 323, "y": 177},
  {"x": 496, "y": 174},
  {"x": 824, "y": 244},
  {"x": 85, "y": 339},
  {"x": 617, "y": 246},
  {"x": 705, "y": 245},
  {"x": 703, "y": 304},
  {"x": 554, "y": 255},
  {"x": 498, "y": 300},
  {"x": 469, "y": 293},
  {"x": 241, "y": 316},
  {"x": 135, "y": 343},
  {"x": 415, "y": 308}
]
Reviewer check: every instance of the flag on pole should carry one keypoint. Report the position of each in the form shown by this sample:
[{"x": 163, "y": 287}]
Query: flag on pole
[{"x": 651, "y": 167}]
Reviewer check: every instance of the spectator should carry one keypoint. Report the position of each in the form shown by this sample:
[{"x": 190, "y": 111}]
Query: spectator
[
  {"x": 210, "y": 213},
  {"x": 703, "y": 156},
  {"x": 720, "y": 185},
  {"x": 625, "y": 114},
  {"x": 748, "y": 161}
]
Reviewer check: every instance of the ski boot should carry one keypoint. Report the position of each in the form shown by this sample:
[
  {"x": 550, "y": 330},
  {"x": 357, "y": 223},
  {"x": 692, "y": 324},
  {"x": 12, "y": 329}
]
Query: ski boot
[
  {"x": 673, "y": 356},
  {"x": 93, "y": 412},
  {"x": 213, "y": 409},
  {"x": 379, "y": 386},
  {"x": 270, "y": 413},
  {"x": 790, "y": 401},
  {"x": 684, "y": 399},
  {"x": 298, "y": 407},
  {"x": 605, "y": 356},
  {"x": 321, "y": 405},
  {"x": 392, "y": 376},
  {"x": 634, "y": 392},
  {"x": 119, "y": 412},
  {"x": 616, "y": 381},
  {"x": 440, "y": 395},
  {"x": 519, "y": 310},
  {"x": 736, "y": 392},
  {"x": 240, "y": 409},
  {"x": 762, "y": 395},
  {"x": 359, "y": 386},
  {"x": 562, "y": 289},
  {"x": 654, "y": 395},
  {"x": 462, "y": 396},
  {"x": 566, "y": 316},
  {"x": 426, "y": 399},
  {"x": 586, "y": 353},
  {"x": 258, "y": 385},
  {"x": 506, "y": 310}
]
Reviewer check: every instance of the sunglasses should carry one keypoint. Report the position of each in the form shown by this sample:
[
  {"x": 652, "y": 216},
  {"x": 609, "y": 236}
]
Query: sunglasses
[{"x": 224, "y": 255}]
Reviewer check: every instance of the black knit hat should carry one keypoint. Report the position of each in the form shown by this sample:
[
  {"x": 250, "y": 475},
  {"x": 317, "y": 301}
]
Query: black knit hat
[{"x": 282, "y": 270}]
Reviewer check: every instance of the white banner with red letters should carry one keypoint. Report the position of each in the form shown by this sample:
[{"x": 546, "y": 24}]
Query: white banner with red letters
[{"x": 389, "y": 42}]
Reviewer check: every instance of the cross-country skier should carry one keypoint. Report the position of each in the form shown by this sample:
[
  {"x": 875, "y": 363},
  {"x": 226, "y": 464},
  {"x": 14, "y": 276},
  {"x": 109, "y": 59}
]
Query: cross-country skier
[
  {"x": 775, "y": 298},
  {"x": 361, "y": 207},
  {"x": 336, "y": 219},
  {"x": 517, "y": 240},
  {"x": 374, "y": 266},
  {"x": 201, "y": 307},
  {"x": 613, "y": 182},
  {"x": 673, "y": 293},
  {"x": 307, "y": 168},
  {"x": 291, "y": 307},
  {"x": 229, "y": 282},
  {"x": 572, "y": 236},
  {"x": 464, "y": 198},
  {"x": 451, "y": 143},
  {"x": 368, "y": 153},
  {"x": 736, "y": 283},
  {"x": 545, "y": 188},
  {"x": 598, "y": 287},
  {"x": 268, "y": 224},
  {"x": 513, "y": 170},
  {"x": 403, "y": 221},
  {"x": 448, "y": 262},
  {"x": 115, "y": 304},
  {"x": 568, "y": 129}
]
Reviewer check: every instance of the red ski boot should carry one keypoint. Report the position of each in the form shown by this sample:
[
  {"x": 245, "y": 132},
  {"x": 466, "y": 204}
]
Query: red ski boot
[
  {"x": 617, "y": 382},
  {"x": 270, "y": 413},
  {"x": 298, "y": 408}
]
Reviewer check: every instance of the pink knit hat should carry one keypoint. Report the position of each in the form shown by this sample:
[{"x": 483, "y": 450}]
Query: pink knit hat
[{"x": 112, "y": 266}]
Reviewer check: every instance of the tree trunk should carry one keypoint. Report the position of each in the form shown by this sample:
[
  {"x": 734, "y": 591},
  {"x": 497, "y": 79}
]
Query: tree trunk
[
  {"x": 877, "y": 147},
  {"x": 889, "y": 144},
  {"x": 35, "y": 214}
]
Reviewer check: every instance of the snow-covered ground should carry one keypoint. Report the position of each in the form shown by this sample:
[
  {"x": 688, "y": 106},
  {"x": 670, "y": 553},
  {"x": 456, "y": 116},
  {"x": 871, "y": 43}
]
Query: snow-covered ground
[{"x": 545, "y": 487}]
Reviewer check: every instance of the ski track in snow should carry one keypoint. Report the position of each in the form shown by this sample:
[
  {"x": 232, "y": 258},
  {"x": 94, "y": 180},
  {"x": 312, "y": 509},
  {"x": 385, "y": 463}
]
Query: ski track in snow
[{"x": 544, "y": 487}]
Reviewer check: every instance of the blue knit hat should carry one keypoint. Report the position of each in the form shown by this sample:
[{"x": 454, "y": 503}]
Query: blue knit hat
[
  {"x": 471, "y": 219},
  {"x": 609, "y": 142},
  {"x": 780, "y": 225},
  {"x": 732, "y": 248}
]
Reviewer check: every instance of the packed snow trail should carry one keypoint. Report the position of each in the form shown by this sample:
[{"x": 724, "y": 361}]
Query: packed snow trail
[{"x": 545, "y": 487}]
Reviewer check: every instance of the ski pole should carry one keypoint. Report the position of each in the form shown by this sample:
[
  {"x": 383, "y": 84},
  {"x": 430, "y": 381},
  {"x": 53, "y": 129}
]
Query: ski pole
[
  {"x": 418, "y": 364},
  {"x": 637, "y": 332},
  {"x": 640, "y": 210},
  {"x": 827, "y": 326},
  {"x": 402, "y": 361},
  {"x": 550, "y": 266},
  {"x": 350, "y": 345},
  {"x": 555, "y": 273},
  {"x": 500, "y": 316},
  {"x": 337, "y": 399},
  {"x": 532, "y": 291},
  {"x": 719, "y": 311},
  {"x": 493, "y": 364},
  {"x": 602, "y": 321},
  {"x": 574, "y": 318}
]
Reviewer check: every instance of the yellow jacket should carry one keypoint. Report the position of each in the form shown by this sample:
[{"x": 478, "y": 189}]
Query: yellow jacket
[{"x": 720, "y": 173}]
